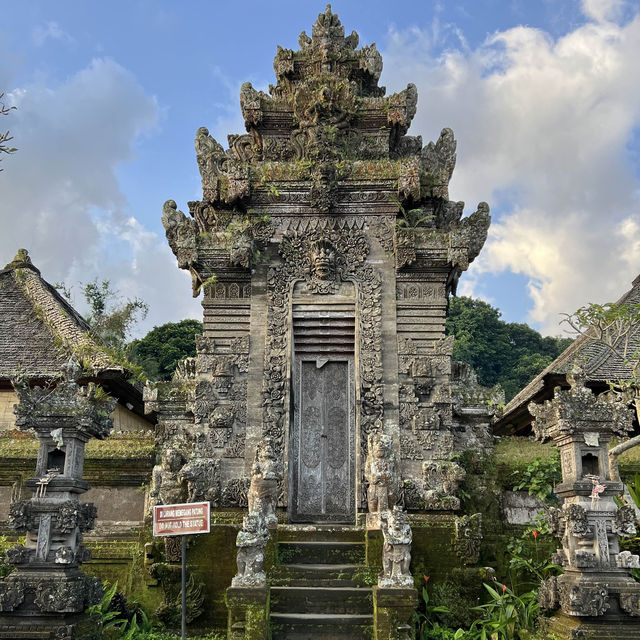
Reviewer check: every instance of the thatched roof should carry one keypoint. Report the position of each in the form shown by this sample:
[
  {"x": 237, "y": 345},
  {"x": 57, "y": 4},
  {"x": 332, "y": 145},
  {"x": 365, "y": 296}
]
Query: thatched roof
[
  {"x": 40, "y": 331},
  {"x": 598, "y": 361}
]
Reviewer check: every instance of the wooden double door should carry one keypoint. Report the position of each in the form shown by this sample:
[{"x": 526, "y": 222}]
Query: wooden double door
[{"x": 322, "y": 441}]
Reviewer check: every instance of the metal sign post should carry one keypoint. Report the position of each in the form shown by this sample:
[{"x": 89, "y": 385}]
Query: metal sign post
[
  {"x": 182, "y": 520},
  {"x": 184, "y": 587}
]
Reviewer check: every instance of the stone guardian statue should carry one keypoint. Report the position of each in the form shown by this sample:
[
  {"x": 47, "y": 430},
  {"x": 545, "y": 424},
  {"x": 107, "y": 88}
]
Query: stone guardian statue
[
  {"x": 380, "y": 474},
  {"x": 263, "y": 492},
  {"x": 251, "y": 542},
  {"x": 396, "y": 552}
]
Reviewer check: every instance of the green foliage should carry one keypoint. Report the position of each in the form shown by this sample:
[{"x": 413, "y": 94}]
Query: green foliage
[
  {"x": 167, "y": 635},
  {"x": 111, "y": 321},
  {"x": 159, "y": 352},
  {"x": 506, "y": 353},
  {"x": 409, "y": 219},
  {"x": 5, "y": 567},
  {"x": 424, "y": 618},
  {"x": 506, "y": 616},
  {"x": 110, "y": 318},
  {"x": 530, "y": 553},
  {"x": 117, "y": 622},
  {"x": 634, "y": 489},
  {"x": 108, "y": 617},
  {"x": 539, "y": 478},
  {"x": 439, "y": 632}
]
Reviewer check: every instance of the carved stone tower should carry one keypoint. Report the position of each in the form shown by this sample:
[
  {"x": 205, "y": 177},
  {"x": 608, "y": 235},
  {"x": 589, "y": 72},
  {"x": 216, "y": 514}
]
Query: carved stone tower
[{"x": 325, "y": 245}]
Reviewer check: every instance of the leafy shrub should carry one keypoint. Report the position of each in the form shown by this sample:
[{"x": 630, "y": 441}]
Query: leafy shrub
[{"x": 540, "y": 477}]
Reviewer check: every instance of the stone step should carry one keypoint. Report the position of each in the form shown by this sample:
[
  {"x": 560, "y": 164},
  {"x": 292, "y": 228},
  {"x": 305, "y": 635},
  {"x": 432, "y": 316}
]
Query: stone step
[
  {"x": 320, "y": 533},
  {"x": 333, "y": 600},
  {"x": 303, "y": 626},
  {"x": 319, "y": 575},
  {"x": 321, "y": 552}
]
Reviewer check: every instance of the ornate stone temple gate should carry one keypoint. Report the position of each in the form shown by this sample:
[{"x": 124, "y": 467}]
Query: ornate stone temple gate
[{"x": 326, "y": 246}]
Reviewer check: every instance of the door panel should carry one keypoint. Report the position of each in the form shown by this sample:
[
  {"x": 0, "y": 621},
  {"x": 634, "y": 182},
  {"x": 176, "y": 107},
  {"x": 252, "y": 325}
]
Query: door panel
[{"x": 322, "y": 469}]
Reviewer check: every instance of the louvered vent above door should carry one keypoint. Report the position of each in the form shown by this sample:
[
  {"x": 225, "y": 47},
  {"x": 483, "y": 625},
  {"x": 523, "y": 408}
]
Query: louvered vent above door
[{"x": 324, "y": 329}]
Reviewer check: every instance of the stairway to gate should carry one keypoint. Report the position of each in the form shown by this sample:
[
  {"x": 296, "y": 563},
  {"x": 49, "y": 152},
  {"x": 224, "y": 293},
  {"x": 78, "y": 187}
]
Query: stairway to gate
[{"x": 319, "y": 585}]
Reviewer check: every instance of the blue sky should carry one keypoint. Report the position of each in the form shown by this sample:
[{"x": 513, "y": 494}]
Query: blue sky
[{"x": 543, "y": 96}]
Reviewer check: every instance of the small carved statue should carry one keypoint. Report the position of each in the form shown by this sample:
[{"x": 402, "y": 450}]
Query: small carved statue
[
  {"x": 167, "y": 486},
  {"x": 380, "y": 473},
  {"x": 263, "y": 492},
  {"x": 251, "y": 542},
  {"x": 396, "y": 552}
]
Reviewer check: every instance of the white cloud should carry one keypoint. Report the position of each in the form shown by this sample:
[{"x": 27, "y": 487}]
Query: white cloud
[
  {"x": 602, "y": 10},
  {"x": 543, "y": 127},
  {"x": 49, "y": 31},
  {"x": 61, "y": 197}
]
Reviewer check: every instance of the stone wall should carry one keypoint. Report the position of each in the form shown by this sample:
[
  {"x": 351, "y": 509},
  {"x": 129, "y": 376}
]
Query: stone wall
[{"x": 7, "y": 418}]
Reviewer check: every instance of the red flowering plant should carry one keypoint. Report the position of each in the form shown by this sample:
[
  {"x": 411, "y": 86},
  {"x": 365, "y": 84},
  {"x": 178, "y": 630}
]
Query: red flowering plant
[
  {"x": 424, "y": 618},
  {"x": 530, "y": 555}
]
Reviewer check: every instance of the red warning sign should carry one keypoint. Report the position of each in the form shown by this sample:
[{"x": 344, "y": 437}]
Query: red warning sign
[{"x": 181, "y": 519}]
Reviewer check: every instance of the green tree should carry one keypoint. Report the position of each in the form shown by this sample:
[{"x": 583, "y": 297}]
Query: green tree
[
  {"x": 163, "y": 347},
  {"x": 111, "y": 318},
  {"x": 506, "y": 353},
  {"x": 5, "y": 137}
]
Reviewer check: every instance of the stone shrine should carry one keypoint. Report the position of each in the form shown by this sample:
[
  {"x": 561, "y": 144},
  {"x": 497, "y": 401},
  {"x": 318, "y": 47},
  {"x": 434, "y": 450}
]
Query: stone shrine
[
  {"x": 596, "y": 595},
  {"x": 47, "y": 595}
]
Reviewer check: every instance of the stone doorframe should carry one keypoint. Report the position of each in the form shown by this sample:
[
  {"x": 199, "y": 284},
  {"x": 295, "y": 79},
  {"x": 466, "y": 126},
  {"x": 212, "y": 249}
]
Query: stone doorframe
[{"x": 348, "y": 265}]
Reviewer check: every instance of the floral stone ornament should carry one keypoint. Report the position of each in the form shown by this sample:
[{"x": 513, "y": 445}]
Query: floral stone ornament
[
  {"x": 48, "y": 593},
  {"x": 596, "y": 587}
]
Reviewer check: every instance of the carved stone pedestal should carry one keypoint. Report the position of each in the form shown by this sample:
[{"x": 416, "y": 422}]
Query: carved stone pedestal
[
  {"x": 393, "y": 612},
  {"x": 71, "y": 627},
  {"x": 567, "y": 628},
  {"x": 248, "y": 613}
]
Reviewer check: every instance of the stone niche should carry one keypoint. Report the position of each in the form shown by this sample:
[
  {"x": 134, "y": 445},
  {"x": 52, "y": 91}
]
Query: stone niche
[{"x": 325, "y": 247}]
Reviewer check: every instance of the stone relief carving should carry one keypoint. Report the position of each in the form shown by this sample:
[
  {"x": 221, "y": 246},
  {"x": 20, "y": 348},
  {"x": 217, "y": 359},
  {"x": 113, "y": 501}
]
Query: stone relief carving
[
  {"x": 11, "y": 595},
  {"x": 167, "y": 488},
  {"x": 201, "y": 474},
  {"x": 441, "y": 479},
  {"x": 548, "y": 594},
  {"x": 468, "y": 537},
  {"x": 583, "y": 601},
  {"x": 235, "y": 492},
  {"x": 630, "y": 604}
]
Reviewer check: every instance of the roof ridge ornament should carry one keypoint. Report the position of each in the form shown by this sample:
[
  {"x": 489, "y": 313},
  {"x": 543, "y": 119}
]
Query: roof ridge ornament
[{"x": 22, "y": 260}]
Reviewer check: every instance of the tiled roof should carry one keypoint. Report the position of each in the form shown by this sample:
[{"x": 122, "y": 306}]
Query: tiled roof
[
  {"x": 39, "y": 329},
  {"x": 599, "y": 362}
]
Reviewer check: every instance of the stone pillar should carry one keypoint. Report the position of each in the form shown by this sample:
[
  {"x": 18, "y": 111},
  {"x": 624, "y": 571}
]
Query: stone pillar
[
  {"x": 596, "y": 595},
  {"x": 393, "y": 612},
  {"x": 47, "y": 594},
  {"x": 248, "y": 613}
]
